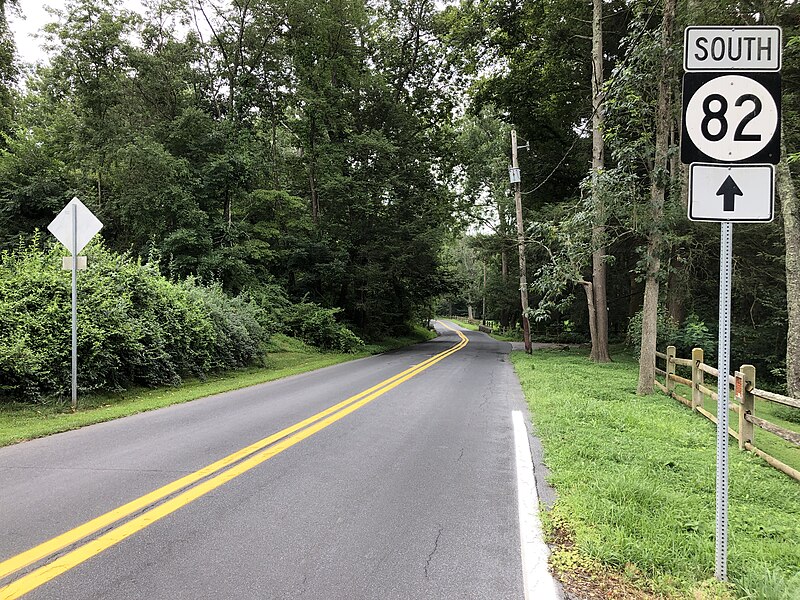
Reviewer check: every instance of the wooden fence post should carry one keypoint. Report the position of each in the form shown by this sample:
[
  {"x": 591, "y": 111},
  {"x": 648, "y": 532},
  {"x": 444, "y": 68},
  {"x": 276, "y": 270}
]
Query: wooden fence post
[
  {"x": 697, "y": 378},
  {"x": 748, "y": 406},
  {"x": 670, "y": 383}
]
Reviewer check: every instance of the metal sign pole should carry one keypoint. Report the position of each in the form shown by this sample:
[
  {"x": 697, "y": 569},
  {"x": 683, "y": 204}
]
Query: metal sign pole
[
  {"x": 74, "y": 307},
  {"x": 725, "y": 276}
]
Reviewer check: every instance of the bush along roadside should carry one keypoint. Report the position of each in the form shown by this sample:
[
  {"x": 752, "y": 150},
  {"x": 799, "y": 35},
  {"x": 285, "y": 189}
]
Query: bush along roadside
[{"x": 135, "y": 327}]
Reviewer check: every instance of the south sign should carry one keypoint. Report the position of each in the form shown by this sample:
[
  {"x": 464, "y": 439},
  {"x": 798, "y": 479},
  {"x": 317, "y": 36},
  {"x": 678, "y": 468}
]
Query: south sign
[{"x": 754, "y": 49}]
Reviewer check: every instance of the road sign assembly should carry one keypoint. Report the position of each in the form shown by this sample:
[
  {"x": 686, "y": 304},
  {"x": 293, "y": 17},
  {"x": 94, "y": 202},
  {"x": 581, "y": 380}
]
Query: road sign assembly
[
  {"x": 74, "y": 227},
  {"x": 730, "y": 136}
]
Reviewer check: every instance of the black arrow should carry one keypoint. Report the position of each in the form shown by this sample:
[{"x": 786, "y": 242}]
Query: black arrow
[{"x": 729, "y": 190}]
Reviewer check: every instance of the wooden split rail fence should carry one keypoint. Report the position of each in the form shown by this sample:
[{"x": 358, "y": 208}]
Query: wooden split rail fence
[{"x": 742, "y": 401}]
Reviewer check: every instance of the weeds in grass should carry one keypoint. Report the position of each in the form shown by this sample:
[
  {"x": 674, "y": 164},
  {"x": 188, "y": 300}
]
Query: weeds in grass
[{"x": 636, "y": 482}]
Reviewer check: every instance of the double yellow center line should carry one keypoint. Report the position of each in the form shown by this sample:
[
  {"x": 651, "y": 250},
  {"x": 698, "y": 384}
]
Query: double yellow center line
[{"x": 169, "y": 498}]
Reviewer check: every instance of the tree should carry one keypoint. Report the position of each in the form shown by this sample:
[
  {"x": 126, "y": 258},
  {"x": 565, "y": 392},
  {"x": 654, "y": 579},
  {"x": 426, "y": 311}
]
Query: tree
[
  {"x": 8, "y": 69},
  {"x": 790, "y": 208},
  {"x": 480, "y": 173},
  {"x": 658, "y": 187},
  {"x": 596, "y": 289}
]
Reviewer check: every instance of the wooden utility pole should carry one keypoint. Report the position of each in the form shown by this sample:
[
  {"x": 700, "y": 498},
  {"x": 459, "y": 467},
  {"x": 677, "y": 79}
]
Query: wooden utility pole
[{"x": 523, "y": 278}]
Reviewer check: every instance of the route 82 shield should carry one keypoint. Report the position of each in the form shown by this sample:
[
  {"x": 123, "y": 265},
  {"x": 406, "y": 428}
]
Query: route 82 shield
[{"x": 731, "y": 118}]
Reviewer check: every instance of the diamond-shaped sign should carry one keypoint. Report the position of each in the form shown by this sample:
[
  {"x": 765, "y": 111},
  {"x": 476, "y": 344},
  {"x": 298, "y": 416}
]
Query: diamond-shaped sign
[{"x": 87, "y": 226}]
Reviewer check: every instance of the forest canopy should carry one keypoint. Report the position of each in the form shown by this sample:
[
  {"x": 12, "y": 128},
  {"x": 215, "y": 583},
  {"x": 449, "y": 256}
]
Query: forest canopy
[{"x": 353, "y": 155}]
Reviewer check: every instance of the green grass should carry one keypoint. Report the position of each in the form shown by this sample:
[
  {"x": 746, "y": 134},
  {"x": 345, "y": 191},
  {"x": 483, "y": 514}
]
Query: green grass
[
  {"x": 498, "y": 336},
  {"x": 464, "y": 324},
  {"x": 635, "y": 477},
  {"x": 770, "y": 443},
  {"x": 286, "y": 356}
]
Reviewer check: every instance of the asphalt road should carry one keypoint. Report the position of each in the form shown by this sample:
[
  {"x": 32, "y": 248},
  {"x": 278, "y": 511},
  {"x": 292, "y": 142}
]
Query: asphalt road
[{"x": 411, "y": 495}]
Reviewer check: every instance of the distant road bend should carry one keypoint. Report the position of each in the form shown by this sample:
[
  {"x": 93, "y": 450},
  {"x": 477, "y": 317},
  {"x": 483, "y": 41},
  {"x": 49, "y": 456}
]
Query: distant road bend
[{"x": 406, "y": 488}]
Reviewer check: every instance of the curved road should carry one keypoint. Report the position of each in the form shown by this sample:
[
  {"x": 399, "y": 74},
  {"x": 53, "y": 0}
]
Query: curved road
[{"x": 408, "y": 491}]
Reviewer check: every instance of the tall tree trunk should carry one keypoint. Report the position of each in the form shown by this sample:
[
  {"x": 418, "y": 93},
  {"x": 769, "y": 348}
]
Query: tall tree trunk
[
  {"x": 505, "y": 317},
  {"x": 658, "y": 185},
  {"x": 483, "y": 302},
  {"x": 227, "y": 210},
  {"x": 312, "y": 172},
  {"x": 591, "y": 303},
  {"x": 791, "y": 228},
  {"x": 599, "y": 308}
]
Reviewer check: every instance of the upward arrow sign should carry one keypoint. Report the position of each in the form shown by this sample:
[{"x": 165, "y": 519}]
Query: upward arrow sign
[{"x": 728, "y": 190}]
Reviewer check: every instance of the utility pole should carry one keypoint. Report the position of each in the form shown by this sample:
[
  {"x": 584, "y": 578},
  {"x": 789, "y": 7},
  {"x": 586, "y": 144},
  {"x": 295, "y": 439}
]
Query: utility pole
[{"x": 523, "y": 278}]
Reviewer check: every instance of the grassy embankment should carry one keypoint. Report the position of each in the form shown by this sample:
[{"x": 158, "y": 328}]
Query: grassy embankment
[
  {"x": 286, "y": 356},
  {"x": 635, "y": 477},
  {"x": 498, "y": 336}
]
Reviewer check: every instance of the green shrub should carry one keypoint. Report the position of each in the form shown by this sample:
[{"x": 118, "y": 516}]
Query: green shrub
[
  {"x": 788, "y": 413},
  {"x": 666, "y": 331},
  {"x": 695, "y": 334},
  {"x": 274, "y": 305},
  {"x": 240, "y": 336},
  {"x": 134, "y": 326},
  {"x": 318, "y": 326},
  {"x": 34, "y": 323}
]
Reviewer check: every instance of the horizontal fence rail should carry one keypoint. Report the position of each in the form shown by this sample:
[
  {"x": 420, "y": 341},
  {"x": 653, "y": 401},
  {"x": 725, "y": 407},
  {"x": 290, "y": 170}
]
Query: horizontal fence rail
[{"x": 742, "y": 401}]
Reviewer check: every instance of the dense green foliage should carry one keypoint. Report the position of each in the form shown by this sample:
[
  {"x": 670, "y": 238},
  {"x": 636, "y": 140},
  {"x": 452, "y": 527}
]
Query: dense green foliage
[
  {"x": 532, "y": 71},
  {"x": 292, "y": 144},
  {"x": 317, "y": 326},
  {"x": 135, "y": 326},
  {"x": 635, "y": 476}
]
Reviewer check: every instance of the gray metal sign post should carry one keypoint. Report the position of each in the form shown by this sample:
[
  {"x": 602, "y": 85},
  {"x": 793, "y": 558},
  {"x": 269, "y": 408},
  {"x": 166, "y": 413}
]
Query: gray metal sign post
[
  {"x": 74, "y": 402},
  {"x": 731, "y": 139},
  {"x": 74, "y": 226},
  {"x": 725, "y": 276}
]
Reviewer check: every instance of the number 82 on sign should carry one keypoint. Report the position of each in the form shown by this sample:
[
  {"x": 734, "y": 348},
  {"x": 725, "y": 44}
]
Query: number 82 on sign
[{"x": 731, "y": 118}]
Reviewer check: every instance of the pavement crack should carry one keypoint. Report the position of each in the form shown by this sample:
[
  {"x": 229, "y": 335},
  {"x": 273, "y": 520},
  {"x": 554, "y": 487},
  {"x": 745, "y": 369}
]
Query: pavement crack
[
  {"x": 94, "y": 469},
  {"x": 460, "y": 456},
  {"x": 303, "y": 584},
  {"x": 435, "y": 547}
]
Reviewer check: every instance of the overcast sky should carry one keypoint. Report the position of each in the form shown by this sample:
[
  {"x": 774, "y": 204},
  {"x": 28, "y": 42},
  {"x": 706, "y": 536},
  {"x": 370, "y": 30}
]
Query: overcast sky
[
  {"x": 35, "y": 16},
  {"x": 27, "y": 27}
]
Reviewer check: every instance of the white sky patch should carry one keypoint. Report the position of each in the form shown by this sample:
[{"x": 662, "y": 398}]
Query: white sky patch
[{"x": 28, "y": 25}]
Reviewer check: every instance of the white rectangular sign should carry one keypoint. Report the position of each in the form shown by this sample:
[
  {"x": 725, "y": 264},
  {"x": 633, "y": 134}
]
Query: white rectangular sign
[
  {"x": 717, "y": 48},
  {"x": 734, "y": 193}
]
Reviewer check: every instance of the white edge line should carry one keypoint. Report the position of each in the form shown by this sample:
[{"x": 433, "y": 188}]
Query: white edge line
[{"x": 536, "y": 579}]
